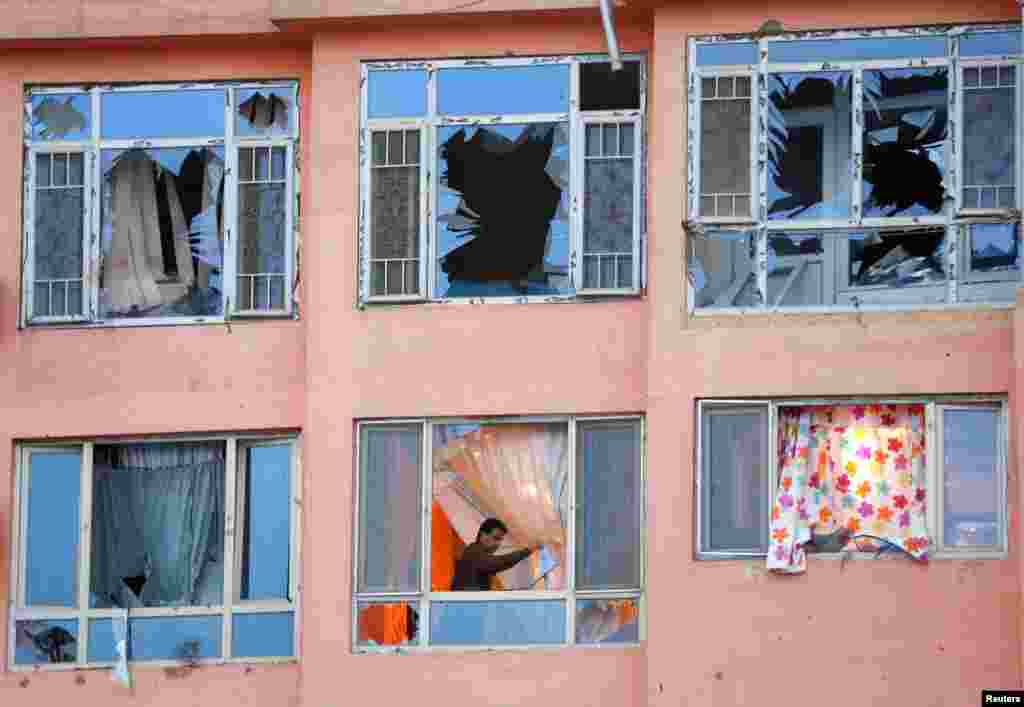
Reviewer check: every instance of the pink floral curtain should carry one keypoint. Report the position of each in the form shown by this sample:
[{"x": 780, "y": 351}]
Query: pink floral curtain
[{"x": 856, "y": 471}]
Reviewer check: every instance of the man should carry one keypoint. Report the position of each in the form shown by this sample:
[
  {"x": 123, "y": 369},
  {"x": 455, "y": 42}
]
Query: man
[{"x": 478, "y": 563}]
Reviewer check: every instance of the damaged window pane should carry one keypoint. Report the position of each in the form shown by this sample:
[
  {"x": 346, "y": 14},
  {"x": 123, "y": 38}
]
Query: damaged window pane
[
  {"x": 604, "y": 89},
  {"x": 51, "y": 558},
  {"x": 265, "y": 487},
  {"x": 158, "y": 525},
  {"x": 897, "y": 258},
  {"x": 990, "y": 143},
  {"x": 508, "y": 623},
  {"x": 726, "y": 53},
  {"x": 387, "y": 624},
  {"x": 797, "y": 271},
  {"x": 389, "y": 501},
  {"x": 809, "y": 149},
  {"x": 994, "y": 249},
  {"x": 971, "y": 515},
  {"x": 905, "y": 125},
  {"x": 62, "y": 117},
  {"x": 991, "y": 44},
  {"x": 395, "y": 212},
  {"x": 264, "y": 111},
  {"x": 45, "y": 641},
  {"x": 725, "y": 147},
  {"x": 263, "y": 635},
  {"x": 608, "y": 193},
  {"x": 129, "y": 115},
  {"x": 608, "y": 621},
  {"x": 608, "y": 505},
  {"x": 721, "y": 269},
  {"x": 162, "y": 232},
  {"x": 397, "y": 94},
  {"x": 59, "y": 210},
  {"x": 863, "y": 48},
  {"x": 180, "y": 638},
  {"x": 503, "y": 89},
  {"x": 503, "y": 217},
  {"x": 262, "y": 226},
  {"x": 734, "y": 488}
]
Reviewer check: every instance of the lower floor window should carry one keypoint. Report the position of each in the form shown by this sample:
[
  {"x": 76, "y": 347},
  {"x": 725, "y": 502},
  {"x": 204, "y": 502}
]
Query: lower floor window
[
  {"x": 125, "y": 551},
  {"x": 784, "y": 479},
  {"x": 499, "y": 533}
]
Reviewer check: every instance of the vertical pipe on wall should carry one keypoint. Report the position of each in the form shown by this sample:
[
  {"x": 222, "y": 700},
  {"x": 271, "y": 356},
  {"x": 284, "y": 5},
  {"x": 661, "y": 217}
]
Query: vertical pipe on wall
[{"x": 608, "y": 18}]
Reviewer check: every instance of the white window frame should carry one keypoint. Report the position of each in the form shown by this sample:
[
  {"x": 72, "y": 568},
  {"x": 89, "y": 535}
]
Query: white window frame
[
  {"x": 959, "y": 286},
  {"x": 422, "y": 599},
  {"x": 934, "y": 407},
  {"x": 234, "y": 527},
  {"x": 229, "y": 141},
  {"x": 429, "y": 125}
]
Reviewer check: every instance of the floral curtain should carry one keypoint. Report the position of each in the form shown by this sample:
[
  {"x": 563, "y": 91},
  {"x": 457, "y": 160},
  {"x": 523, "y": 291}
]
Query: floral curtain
[{"x": 856, "y": 473}]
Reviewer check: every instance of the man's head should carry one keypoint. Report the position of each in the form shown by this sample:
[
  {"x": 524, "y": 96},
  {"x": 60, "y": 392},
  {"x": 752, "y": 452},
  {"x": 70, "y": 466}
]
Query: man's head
[{"x": 491, "y": 534}]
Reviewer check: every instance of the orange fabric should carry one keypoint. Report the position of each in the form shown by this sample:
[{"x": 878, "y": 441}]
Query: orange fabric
[
  {"x": 384, "y": 624},
  {"x": 445, "y": 549}
]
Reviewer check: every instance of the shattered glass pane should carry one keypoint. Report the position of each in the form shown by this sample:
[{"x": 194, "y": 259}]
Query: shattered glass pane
[
  {"x": 995, "y": 248},
  {"x": 503, "y": 216},
  {"x": 395, "y": 213},
  {"x": 991, "y": 44},
  {"x": 990, "y": 142},
  {"x": 809, "y": 149},
  {"x": 796, "y": 271},
  {"x": 62, "y": 117},
  {"x": 507, "y": 623},
  {"x": 721, "y": 270},
  {"x": 387, "y": 624},
  {"x": 52, "y": 507},
  {"x": 607, "y": 621},
  {"x": 263, "y": 635},
  {"x": 604, "y": 89},
  {"x": 970, "y": 445},
  {"x": 905, "y": 126},
  {"x": 608, "y": 211},
  {"x": 734, "y": 490},
  {"x": 265, "y": 111},
  {"x": 503, "y": 89},
  {"x": 130, "y": 115},
  {"x": 45, "y": 641},
  {"x": 897, "y": 258},
  {"x": 397, "y": 94},
  {"x": 262, "y": 226},
  {"x": 863, "y": 48},
  {"x": 725, "y": 147},
  {"x": 59, "y": 220},
  {"x": 726, "y": 53},
  {"x": 266, "y": 534},
  {"x": 181, "y": 638},
  {"x": 162, "y": 232}
]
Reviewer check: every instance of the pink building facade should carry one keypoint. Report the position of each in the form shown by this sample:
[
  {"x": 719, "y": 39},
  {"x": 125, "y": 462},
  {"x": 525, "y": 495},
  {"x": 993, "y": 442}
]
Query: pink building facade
[{"x": 723, "y": 248}]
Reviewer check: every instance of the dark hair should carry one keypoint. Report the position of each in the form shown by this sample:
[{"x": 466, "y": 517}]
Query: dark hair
[{"x": 490, "y": 525}]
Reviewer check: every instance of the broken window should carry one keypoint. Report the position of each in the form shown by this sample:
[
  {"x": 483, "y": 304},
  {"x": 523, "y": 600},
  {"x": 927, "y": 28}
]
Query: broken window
[
  {"x": 136, "y": 224},
  {"x": 994, "y": 252},
  {"x": 502, "y": 567},
  {"x": 989, "y": 137},
  {"x": 154, "y": 525},
  {"x": 725, "y": 176},
  {"x": 721, "y": 269},
  {"x": 850, "y": 477},
  {"x": 897, "y": 258},
  {"x": 483, "y": 158},
  {"x": 799, "y": 274}
]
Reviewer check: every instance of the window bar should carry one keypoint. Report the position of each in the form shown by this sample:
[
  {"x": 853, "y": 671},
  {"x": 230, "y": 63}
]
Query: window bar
[
  {"x": 231, "y": 516},
  {"x": 857, "y": 145},
  {"x": 85, "y": 553},
  {"x": 570, "y": 545}
]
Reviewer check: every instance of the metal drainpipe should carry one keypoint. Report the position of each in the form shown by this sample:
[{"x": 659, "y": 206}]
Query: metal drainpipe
[{"x": 608, "y": 18}]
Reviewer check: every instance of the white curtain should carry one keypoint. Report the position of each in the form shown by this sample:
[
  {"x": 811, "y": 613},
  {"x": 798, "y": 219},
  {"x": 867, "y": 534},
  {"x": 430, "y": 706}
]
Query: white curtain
[{"x": 158, "y": 513}]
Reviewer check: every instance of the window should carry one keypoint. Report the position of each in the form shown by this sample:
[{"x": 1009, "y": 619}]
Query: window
[
  {"x": 134, "y": 216},
  {"x": 583, "y": 586},
  {"x": 858, "y": 169},
  {"x": 115, "y": 539},
  {"x": 503, "y": 179},
  {"x": 784, "y": 479}
]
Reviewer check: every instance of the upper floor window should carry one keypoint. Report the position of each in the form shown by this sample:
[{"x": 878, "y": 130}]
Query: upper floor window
[
  {"x": 855, "y": 169},
  {"x": 501, "y": 179},
  {"x": 499, "y": 533},
  {"x": 160, "y": 203}
]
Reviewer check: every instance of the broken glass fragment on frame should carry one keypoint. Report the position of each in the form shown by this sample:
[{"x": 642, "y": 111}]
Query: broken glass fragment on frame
[
  {"x": 994, "y": 250},
  {"x": 797, "y": 271},
  {"x": 45, "y": 641},
  {"x": 61, "y": 116},
  {"x": 265, "y": 111},
  {"x": 503, "y": 223},
  {"x": 607, "y": 621}
]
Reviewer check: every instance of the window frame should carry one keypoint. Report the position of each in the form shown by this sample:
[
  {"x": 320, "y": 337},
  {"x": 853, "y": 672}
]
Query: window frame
[
  {"x": 934, "y": 406},
  {"x": 230, "y": 141},
  {"x": 84, "y": 614},
  {"x": 996, "y": 292},
  {"x": 432, "y": 121},
  {"x": 422, "y": 600}
]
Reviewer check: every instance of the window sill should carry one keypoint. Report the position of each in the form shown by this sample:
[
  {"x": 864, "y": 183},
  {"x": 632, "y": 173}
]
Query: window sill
[
  {"x": 152, "y": 664},
  {"x": 582, "y": 298},
  {"x": 539, "y": 648},
  {"x": 942, "y": 555},
  {"x": 846, "y": 310},
  {"x": 175, "y": 321}
]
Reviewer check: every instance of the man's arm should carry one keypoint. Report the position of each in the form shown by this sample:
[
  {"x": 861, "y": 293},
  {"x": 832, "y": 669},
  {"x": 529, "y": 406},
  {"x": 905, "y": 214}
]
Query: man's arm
[{"x": 493, "y": 564}]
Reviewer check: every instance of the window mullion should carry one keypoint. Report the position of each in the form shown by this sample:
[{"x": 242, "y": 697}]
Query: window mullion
[
  {"x": 433, "y": 179},
  {"x": 232, "y": 524},
  {"x": 857, "y": 147},
  {"x": 85, "y": 553},
  {"x": 427, "y": 443},
  {"x": 229, "y": 303},
  {"x": 570, "y": 549},
  {"x": 934, "y": 470},
  {"x": 28, "y": 258}
]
